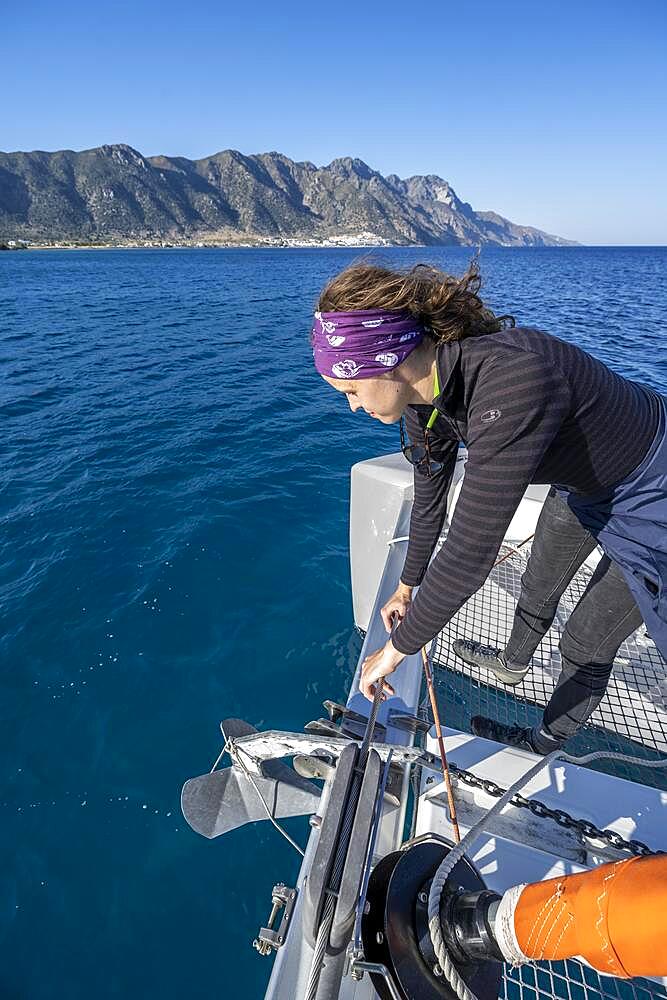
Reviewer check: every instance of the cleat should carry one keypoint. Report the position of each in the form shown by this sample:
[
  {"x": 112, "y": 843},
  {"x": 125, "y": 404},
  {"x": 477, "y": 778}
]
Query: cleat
[
  {"x": 491, "y": 658},
  {"x": 500, "y": 732}
]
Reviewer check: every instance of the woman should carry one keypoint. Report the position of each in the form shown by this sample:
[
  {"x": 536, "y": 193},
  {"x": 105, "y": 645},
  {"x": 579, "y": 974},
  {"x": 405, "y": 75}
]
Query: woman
[{"x": 422, "y": 347}]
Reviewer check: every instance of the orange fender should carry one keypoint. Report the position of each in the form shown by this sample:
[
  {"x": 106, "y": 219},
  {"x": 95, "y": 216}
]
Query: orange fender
[{"x": 615, "y": 917}]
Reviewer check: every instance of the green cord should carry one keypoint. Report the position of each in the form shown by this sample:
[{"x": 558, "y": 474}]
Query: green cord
[{"x": 436, "y": 389}]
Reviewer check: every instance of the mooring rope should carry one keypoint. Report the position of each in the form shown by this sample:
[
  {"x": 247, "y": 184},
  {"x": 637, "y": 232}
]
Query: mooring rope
[{"x": 441, "y": 743}]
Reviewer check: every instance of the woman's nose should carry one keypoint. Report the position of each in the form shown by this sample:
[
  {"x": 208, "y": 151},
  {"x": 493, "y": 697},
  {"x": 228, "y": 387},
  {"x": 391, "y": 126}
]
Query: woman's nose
[{"x": 354, "y": 404}]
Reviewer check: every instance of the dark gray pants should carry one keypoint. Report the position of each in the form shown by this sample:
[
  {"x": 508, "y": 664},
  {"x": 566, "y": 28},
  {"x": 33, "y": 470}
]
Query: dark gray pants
[{"x": 605, "y": 615}]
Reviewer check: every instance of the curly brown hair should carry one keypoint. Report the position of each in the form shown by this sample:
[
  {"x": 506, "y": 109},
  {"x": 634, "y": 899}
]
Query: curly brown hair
[{"x": 448, "y": 307}]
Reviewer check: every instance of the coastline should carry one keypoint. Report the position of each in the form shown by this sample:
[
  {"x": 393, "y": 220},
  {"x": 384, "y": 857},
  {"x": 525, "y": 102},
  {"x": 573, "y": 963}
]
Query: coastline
[
  {"x": 209, "y": 246},
  {"x": 364, "y": 241},
  {"x": 302, "y": 245},
  {"x": 268, "y": 245}
]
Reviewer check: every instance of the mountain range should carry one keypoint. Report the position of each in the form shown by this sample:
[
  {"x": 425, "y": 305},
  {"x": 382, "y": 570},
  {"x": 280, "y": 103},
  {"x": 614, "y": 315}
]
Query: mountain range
[{"x": 113, "y": 194}]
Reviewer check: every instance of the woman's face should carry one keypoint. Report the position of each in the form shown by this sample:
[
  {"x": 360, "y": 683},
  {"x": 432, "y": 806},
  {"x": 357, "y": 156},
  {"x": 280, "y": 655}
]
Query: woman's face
[{"x": 382, "y": 398}]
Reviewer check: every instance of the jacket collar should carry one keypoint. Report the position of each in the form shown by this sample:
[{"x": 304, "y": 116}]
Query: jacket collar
[{"x": 447, "y": 359}]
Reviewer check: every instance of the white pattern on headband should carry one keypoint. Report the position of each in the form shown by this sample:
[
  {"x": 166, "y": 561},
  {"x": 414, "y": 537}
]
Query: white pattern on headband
[
  {"x": 345, "y": 369},
  {"x": 335, "y": 341},
  {"x": 370, "y": 323},
  {"x": 388, "y": 359},
  {"x": 406, "y": 336}
]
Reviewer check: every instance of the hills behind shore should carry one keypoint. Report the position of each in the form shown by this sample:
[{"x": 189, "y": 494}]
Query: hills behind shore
[{"x": 113, "y": 194}]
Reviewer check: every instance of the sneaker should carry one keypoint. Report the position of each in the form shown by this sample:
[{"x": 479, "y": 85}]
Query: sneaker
[
  {"x": 500, "y": 732},
  {"x": 491, "y": 658}
]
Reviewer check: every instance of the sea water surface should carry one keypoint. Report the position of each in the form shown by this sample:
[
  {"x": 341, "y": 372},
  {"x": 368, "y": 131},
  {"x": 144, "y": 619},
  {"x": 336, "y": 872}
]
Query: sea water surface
[{"x": 174, "y": 551}]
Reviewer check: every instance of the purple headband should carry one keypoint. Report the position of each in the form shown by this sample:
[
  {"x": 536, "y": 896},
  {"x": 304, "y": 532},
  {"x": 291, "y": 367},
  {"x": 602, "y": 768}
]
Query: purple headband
[{"x": 365, "y": 343}]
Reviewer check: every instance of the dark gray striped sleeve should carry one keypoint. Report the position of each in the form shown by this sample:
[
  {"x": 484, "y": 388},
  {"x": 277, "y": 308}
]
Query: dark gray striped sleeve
[
  {"x": 430, "y": 500},
  {"x": 532, "y": 399}
]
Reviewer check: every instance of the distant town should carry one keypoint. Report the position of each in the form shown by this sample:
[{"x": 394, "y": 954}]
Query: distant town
[{"x": 362, "y": 240}]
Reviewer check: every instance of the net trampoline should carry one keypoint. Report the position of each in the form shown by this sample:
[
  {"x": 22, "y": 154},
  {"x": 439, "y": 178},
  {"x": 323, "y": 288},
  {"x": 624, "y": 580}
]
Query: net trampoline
[{"x": 632, "y": 716}]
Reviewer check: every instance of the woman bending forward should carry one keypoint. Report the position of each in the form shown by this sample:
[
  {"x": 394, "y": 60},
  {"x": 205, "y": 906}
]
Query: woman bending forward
[{"x": 421, "y": 348}]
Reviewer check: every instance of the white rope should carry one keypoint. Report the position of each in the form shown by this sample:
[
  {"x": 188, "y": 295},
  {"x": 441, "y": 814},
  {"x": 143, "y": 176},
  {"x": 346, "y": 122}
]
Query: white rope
[
  {"x": 457, "y": 853},
  {"x": 503, "y": 926},
  {"x": 406, "y": 538}
]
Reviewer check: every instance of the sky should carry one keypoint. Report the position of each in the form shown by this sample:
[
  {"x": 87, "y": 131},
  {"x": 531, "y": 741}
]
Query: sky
[{"x": 552, "y": 113}]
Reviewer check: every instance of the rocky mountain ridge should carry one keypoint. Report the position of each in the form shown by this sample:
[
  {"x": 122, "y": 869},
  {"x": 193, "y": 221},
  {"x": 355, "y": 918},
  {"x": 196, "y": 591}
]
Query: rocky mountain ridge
[{"x": 113, "y": 194}]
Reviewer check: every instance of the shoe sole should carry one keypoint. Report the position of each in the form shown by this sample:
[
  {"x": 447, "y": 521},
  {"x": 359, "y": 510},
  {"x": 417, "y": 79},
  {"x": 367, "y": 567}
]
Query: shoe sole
[{"x": 510, "y": 677}]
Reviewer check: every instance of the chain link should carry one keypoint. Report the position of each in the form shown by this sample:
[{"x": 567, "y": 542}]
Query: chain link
[{"x": 583, "y": 827}]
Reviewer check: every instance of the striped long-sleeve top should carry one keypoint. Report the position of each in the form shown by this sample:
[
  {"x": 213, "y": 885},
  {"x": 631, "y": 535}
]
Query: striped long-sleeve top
[{"x": 531, "y": 409}]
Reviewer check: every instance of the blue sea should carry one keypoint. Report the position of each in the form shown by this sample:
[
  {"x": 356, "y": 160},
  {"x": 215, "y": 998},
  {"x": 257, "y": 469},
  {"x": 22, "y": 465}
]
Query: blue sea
[{"x": 174, "y": 551}]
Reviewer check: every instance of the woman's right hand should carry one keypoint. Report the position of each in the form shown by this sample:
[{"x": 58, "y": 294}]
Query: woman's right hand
[{"x": 398, "y": 604}]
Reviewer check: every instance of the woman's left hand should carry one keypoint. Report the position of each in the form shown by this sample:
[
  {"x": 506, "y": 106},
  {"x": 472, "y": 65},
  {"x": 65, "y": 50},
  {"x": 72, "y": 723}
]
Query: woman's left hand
[{"x": 379, "y": 664}]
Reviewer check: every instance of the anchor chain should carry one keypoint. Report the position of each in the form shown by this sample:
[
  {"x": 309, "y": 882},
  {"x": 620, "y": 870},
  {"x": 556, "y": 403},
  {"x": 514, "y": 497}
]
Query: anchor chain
[{"x": 584, "y": 827}]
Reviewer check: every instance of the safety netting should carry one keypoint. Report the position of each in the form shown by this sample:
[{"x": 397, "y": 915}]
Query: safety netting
[
  {"x": 632, "y": 716},
  {"x": 573, "y": 981}
]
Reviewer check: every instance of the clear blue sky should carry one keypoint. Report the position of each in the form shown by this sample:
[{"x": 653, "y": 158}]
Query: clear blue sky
[{"x": 552, "y": 114}]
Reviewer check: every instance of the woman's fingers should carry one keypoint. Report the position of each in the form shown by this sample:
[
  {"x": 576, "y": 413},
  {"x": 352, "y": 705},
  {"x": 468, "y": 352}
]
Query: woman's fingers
[
  {"x": 376, "y": 667},
  {"x": 368, "y": 681},
  {"x": 367, "y": 684},
  {"x": 387, "y": 688},
  {"x": 391, "y": 612},
  {"x": 388, "y": 612},
  {"x": 396, "y": 607},
  {"x": 387, "y": 691}
]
